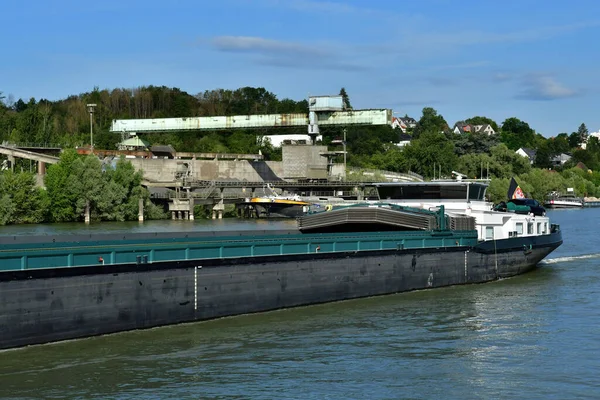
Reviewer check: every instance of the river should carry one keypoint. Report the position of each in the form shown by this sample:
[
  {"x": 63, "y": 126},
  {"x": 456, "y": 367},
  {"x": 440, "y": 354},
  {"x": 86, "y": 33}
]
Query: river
[{"x": 536, "y": 336}]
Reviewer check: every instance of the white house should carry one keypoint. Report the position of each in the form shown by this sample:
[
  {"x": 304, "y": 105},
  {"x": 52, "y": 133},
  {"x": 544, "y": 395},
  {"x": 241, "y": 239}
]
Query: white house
[
  {"x": 460, "y": 128},
  {"x": 525, "y": 152}
]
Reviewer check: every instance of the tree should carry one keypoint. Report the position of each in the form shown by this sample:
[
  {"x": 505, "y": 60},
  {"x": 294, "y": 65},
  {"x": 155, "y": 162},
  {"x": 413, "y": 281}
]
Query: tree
[
  {"x": 574, "y": 140},
  {"x": 21, "y": 201},
  {"x": 513, "y": 164},
  {"x": 430, "y": 150},
  {"x": 559, "y": 144},
  {"x": 477, "y": 165},
  {"x": 57, "y": 180},
  {"x": 542, "y": 157},
  {"x": 516, "y": 134},
  {"x": 430, "y": 122},
  {"x": 345, "y": 99},
  {"x": 582, "y": 133},
  {"x": 474, "y": 143}
]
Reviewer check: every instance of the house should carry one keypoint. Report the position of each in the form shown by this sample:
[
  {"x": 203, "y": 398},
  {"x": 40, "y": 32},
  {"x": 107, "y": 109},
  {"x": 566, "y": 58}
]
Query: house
[
  {"x": 461, "y": 127},
  {"x": 134, "y": 143},
  {"x": 403, "y": 123},
  {"x": 409, "y": 122},
  {"x": 560, "y": 159},
  {"x": 485, "y": 128},
  {"x": 403, "y": 140},
  {"x": 525, "y": 152},
  {"x": 398, "y": 123}
]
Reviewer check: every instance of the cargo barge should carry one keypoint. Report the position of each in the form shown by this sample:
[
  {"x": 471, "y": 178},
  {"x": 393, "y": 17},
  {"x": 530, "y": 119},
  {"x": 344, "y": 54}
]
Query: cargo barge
[{"x": 64, "y": 287}]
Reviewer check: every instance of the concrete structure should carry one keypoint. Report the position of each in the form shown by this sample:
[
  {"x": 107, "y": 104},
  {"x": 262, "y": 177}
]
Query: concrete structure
[
  {"x": 304, "y": 162},
  {"x": 41, "y": 159},
  {"x": 162, "y": 172}
]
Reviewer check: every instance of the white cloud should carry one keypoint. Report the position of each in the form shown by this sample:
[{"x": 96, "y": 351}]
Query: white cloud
[
  {"x": 544, "y": 87},
  {"x": 288, "y": 54},
  {"x": 253, "y": 44}
]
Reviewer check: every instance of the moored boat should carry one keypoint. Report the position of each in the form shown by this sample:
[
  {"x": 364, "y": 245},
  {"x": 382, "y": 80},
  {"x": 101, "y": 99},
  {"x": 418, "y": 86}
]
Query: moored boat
[
  {"x": 277, "y": 206},
  {"x": 560, "y": 200}
]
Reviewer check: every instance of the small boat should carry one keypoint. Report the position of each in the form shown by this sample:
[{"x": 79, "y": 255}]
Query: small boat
[
  {"x": 278, "y": 206},
  {"x": 559, "y": 200}
]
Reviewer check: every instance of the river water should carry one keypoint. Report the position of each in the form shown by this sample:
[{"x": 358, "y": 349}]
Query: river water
[{"x": 536, "y": 336}]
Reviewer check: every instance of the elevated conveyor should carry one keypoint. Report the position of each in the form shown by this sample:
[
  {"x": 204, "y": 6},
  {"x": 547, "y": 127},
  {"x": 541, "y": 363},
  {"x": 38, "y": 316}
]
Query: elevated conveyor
[{"x": 323, "y": 118}]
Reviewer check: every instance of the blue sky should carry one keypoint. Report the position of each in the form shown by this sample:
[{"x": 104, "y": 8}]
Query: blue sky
[{"x": 534, "y": 60}]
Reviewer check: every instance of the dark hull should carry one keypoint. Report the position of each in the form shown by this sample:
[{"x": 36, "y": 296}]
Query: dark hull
[
  {"x": 40, "y": 306},
  {"x": 276, "y": 210}
]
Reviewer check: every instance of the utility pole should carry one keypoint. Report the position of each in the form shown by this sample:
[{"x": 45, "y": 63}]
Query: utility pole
[{"x": 90, "y": 108}]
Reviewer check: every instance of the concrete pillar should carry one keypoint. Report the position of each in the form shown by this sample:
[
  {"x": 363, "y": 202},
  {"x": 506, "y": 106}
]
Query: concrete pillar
[
  {"x": 173, "y": 215},
  {"x": 220, "y": 214},
  {"x": 11, "y": 161},
  {"x": 186, "y": 215},
  {"x": 178, "y": 214},
  {"x": 41, "y": 168},
  {"x": 87, "y": 213},
  {"x": 214, "y": 214},
  {"x": 141, "y": 210},
  {"x": 191, "y": 208}
]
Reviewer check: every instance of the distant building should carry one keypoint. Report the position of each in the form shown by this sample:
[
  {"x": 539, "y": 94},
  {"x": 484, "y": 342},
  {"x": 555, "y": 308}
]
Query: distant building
[
  {"x": 404, "y": 123},
  {"x": 525, "y": 152},
  {"x": 560, "y": 159},
  {"x": 403, "y": 140},
  {"x": 134, "y": 143},
  {"x": 461, "y": 127}
]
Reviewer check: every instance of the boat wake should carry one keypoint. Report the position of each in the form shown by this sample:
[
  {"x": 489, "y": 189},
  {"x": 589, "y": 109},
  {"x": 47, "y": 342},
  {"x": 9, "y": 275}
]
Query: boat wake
[{"x": 571, "y": 258}]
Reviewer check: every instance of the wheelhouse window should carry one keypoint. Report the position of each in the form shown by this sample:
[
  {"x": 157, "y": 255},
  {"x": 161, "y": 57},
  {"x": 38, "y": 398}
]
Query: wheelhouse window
[
  {"x": 530, "y": 228},
  {"x": 539, "y": 228},
  {"x": 519, "y": 228},
  {"x": 489, "y": 232},
  {"x": 431, "y": 191}
]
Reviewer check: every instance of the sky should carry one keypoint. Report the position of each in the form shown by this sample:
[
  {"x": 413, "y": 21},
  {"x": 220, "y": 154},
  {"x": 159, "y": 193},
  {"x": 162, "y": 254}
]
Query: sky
[{"x": 534, "y": 60}]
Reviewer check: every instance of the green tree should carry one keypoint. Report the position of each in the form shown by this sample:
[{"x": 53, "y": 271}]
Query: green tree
[
  {"x": 21, "y": 201},
  {"x": 430, "y": 122},
  {"x": 345, "y": 99},
  {"x": 474, "y": 142},
  {"x": 431, "y": 149},
  {"x": 516, "y": 134},
  {"x": 513, "y": 164},
  {"x": 559, "y": 144},
  {"x": 582, "y": 132},
  {"x": 574, "y": 140},
  {"x": 477, "y": 165},
  {"x": 57, "y": 182},
  {"x": 542, "y": 156}
]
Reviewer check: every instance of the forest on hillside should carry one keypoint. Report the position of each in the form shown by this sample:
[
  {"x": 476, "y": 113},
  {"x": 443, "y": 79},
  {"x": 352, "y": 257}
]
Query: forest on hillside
[{"x": 434, "y": 151}]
